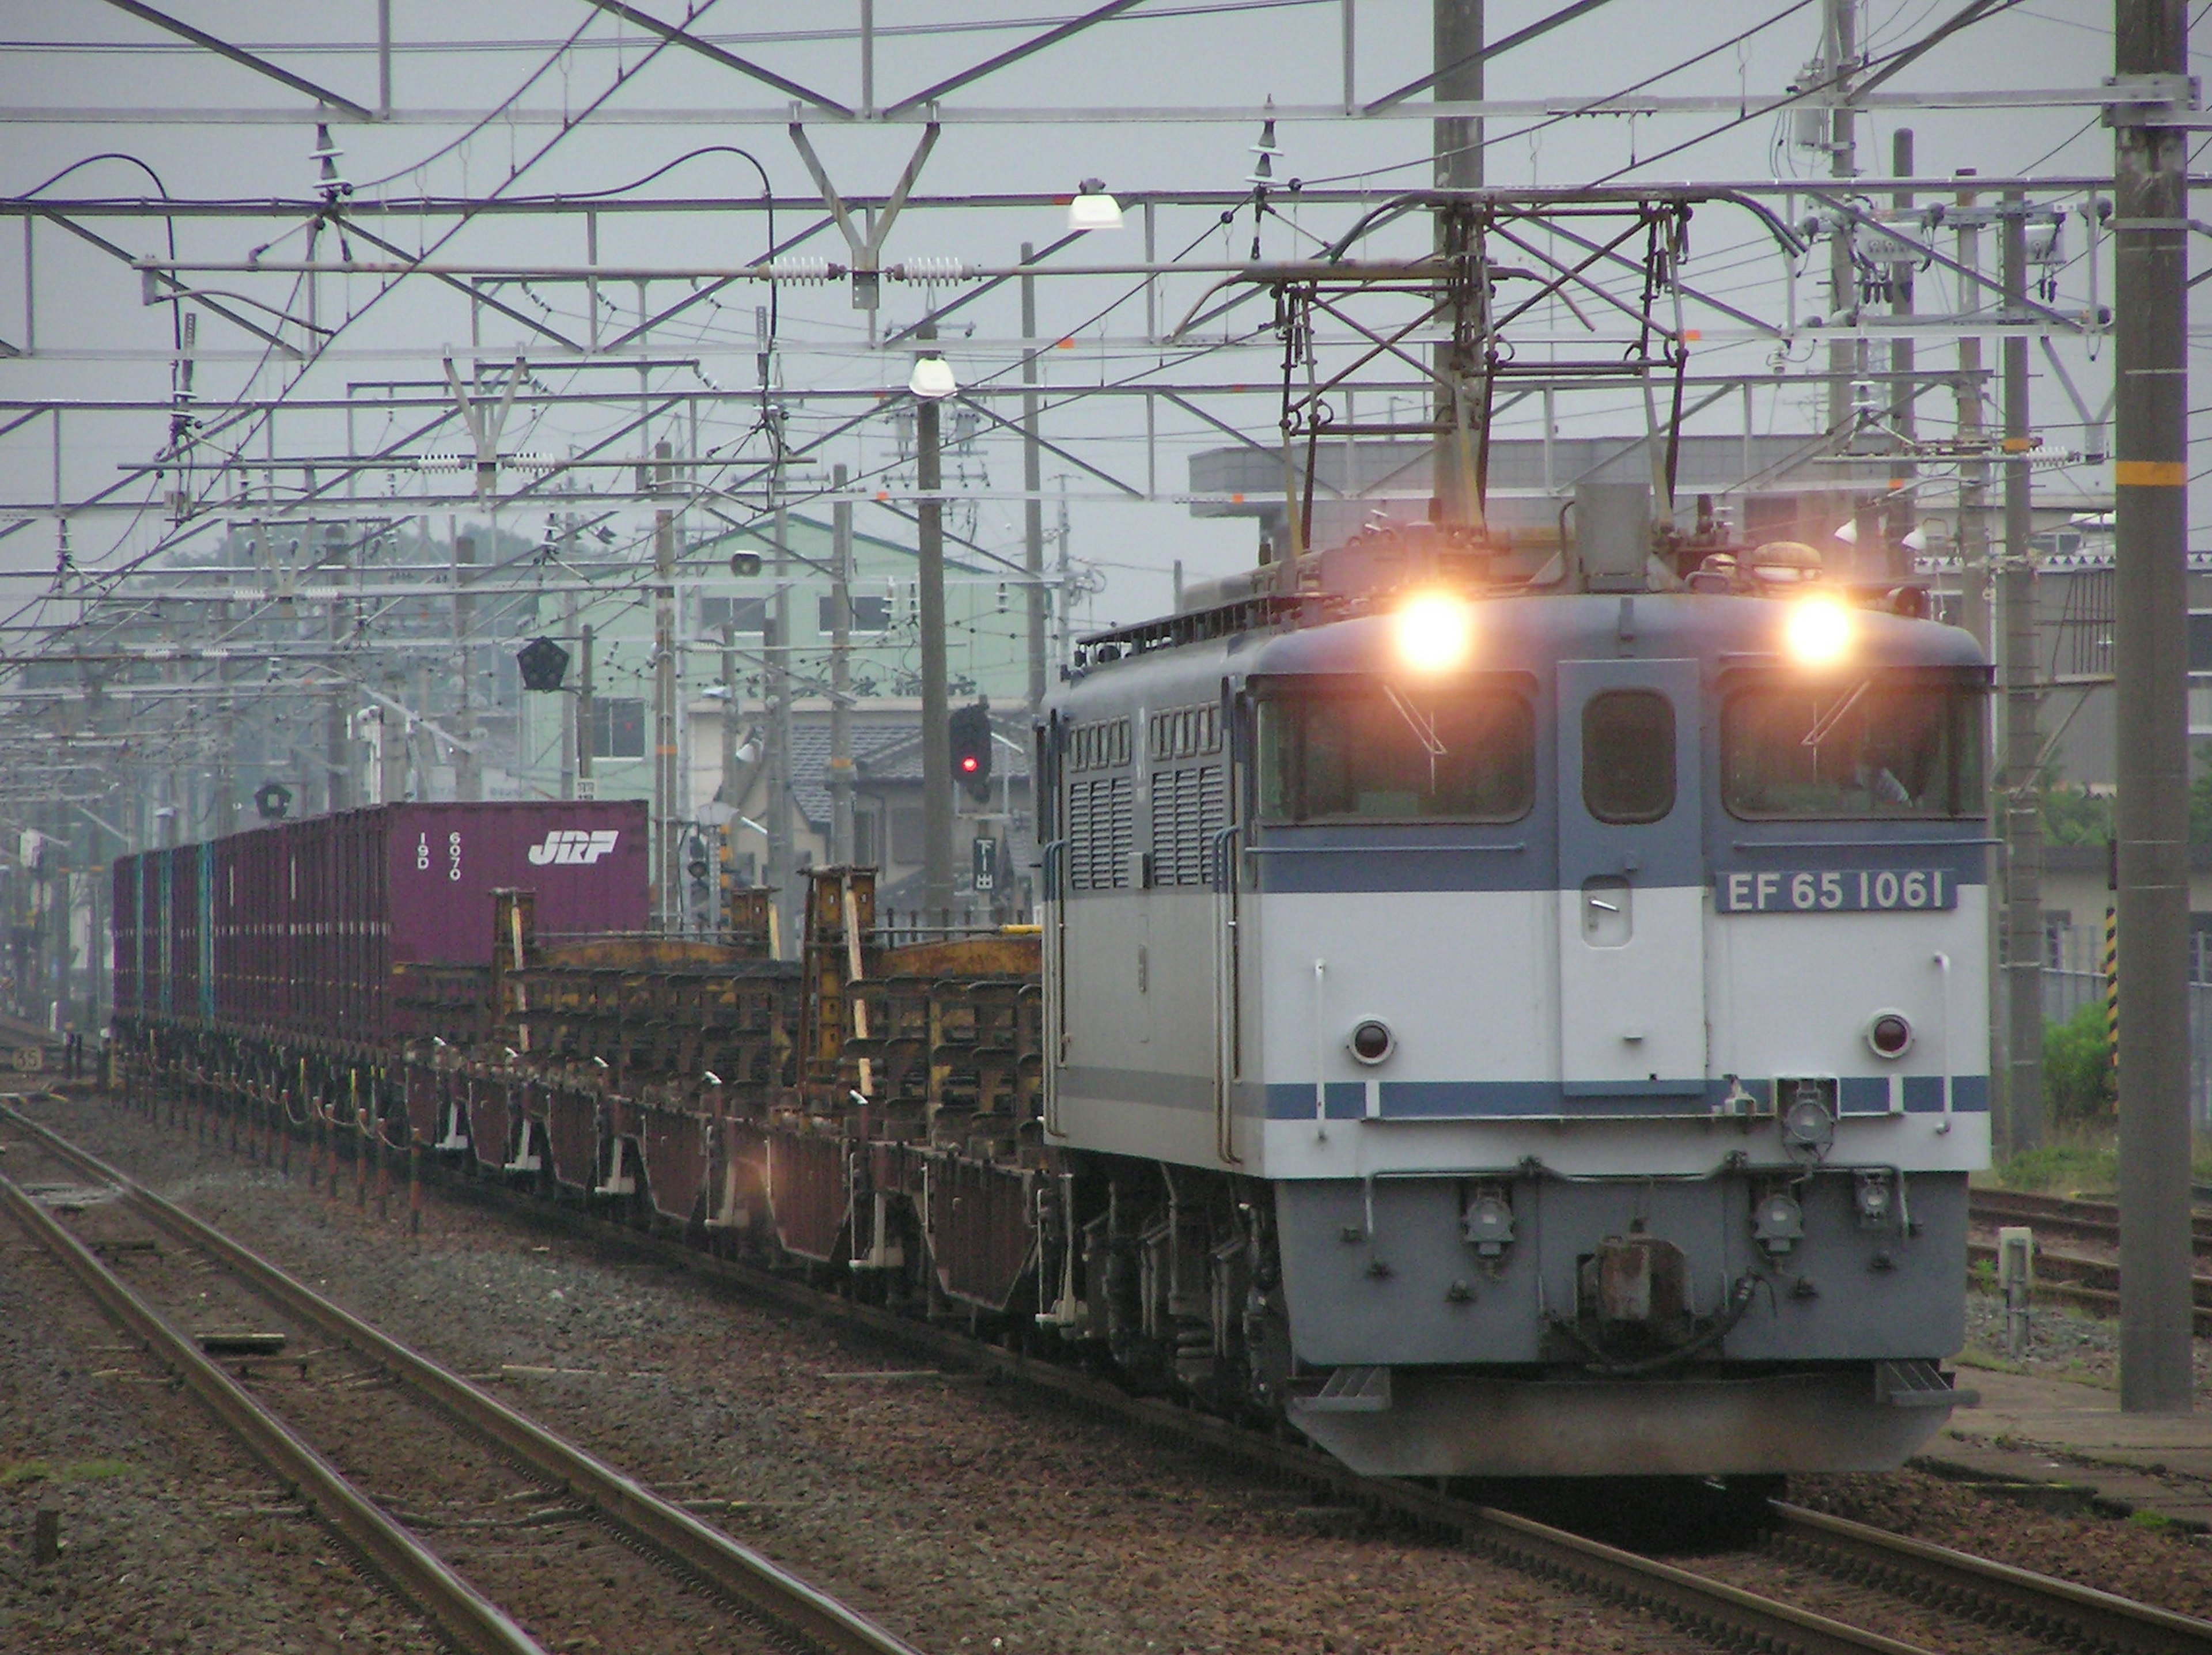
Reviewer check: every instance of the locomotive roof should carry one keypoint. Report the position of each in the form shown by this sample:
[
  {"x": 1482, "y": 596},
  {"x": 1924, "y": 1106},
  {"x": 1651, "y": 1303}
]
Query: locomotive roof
[{"x": 1528, "y": 634}]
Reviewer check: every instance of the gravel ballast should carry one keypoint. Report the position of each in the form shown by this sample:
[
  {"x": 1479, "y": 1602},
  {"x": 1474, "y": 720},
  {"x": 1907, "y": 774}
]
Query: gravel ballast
[{"x": 964, "y": 1514}]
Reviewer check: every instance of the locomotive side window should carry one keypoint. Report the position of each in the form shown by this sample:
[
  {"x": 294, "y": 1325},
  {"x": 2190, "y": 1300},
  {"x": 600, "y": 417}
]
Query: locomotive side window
[
  {"x": 1361, "y": 752},
  {"x": 1628, "y": 756},
  {"x": 1855, "y": 749}
]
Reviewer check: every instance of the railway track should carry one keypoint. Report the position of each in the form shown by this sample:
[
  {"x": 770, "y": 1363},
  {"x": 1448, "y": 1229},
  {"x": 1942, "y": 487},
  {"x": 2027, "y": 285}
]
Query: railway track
[
  {"x": 560, "y": 1506},
  {"x": 1859, "y": 1563},
  {"x": 2087, "y": 1281},
  {"x": 2068, "y": 1216}
]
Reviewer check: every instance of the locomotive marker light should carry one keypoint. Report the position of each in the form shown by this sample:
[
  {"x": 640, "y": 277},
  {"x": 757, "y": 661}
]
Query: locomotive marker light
[
  {"x": 1819, "y": 631},
  {"x": 1434, "y": 632},
  {"x": 1889, "y": 1034},
  {"x": 1371, "y": 1040}
]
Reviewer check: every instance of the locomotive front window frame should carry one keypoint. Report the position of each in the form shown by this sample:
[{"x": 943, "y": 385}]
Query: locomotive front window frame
[
  {"x": 1890, "y": 745},
  {"x": 1341, "y": 749}
]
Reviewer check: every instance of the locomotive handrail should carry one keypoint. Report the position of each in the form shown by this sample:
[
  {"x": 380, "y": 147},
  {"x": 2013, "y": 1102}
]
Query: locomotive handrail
[
  {"x": 1369, "y": 850},
  {"x": 1851, "y": 844}
]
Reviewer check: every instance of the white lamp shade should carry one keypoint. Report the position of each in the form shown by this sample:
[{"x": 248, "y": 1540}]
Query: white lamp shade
[
  {"x": 1094, "y": 210},
  {"x": 1849, "y": 534},
  {"x": 932, "y": 378},
  {"x": 1916, "y": 541}
]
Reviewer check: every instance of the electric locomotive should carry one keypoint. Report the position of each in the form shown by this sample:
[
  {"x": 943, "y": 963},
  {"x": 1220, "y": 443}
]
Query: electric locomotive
[{"x": 1523, "y": 1028}]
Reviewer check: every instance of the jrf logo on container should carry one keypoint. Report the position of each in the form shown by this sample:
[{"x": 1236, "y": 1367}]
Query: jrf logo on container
[{"x": 565, "y": 845}]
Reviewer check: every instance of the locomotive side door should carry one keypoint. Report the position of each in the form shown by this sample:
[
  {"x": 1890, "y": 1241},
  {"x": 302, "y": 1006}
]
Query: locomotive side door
[{"x": 1631, "y": 891}]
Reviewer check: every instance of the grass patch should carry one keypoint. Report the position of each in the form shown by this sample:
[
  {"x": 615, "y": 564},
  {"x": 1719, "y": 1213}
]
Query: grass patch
[
  {"x": 96, "y": 1470},
  {"x": 2084, "y": 1157},
  {"x": 2077, "y": 1159},
  {"x": 2149, "y": 1520},
  {"x": 91, "y": 1470}
]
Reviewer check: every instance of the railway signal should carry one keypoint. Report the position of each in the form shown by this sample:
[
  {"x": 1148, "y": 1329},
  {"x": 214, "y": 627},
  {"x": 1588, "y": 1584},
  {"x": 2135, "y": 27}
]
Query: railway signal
[
  {"x": 544, "y": 664},
  {"x": 970, "y": 733}
]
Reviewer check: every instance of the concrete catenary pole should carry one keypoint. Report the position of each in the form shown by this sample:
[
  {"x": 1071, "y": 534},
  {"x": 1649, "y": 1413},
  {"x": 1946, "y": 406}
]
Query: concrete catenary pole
[
  {"x": 1032, "y": 484},
  {"x": 2022, "y": 1121},
  {"x": 2150, "y": 474},
  {"x": 1846, "y": 354},
  {"x": 468, "y": 779},
  {"x": 587, "y": 786},
  {"x": 775, "y": 651},
  {"x": 841, "y": 672},
  {"x": 1975, "y": 612},
  {"x": 936, "y": 752},
  {"x": 667, "y": 869},
  {"x": 1903, "y": 514}
]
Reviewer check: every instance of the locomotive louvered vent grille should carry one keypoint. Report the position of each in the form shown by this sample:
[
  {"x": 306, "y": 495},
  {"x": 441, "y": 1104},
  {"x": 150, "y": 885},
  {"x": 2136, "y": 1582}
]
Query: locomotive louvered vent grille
[
  {"x": 1102, "y": 833},
  {"x": 1188, "y": 811}
]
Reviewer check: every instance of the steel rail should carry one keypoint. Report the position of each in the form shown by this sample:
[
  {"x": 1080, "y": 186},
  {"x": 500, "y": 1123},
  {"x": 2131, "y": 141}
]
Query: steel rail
[
  {"x": 727, "y": 1567},
  {"x": 2038, "y": 1604},
  {"x": 2091, "y": 1283},
  {"x": 1709, "y": 1607},
  {"x": 472, "y": 1623},
  {"x": 2085, "y": 1220},
  {"x": 1706, "y": 1607}
]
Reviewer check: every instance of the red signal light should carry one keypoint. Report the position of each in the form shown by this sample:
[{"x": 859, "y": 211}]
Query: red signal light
[{"x": 968, "y": 764}]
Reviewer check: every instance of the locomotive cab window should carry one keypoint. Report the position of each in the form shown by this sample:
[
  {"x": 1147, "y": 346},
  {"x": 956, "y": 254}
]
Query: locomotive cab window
[
  {"x": 1628, "y": 756},
  {"x": 1360, "y": 750},
  {"x": 1854, "y": 748}
]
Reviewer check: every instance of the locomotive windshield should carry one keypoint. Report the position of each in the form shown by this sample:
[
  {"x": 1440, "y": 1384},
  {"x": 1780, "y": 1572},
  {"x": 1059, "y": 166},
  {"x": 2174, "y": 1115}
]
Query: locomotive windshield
[
  {"x": 1856, "y": 749},
  {"x": 1356, "y": 750}
]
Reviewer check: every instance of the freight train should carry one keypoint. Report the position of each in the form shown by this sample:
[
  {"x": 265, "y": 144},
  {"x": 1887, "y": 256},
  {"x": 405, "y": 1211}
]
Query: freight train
[{"x": 1499, "y": 1026}]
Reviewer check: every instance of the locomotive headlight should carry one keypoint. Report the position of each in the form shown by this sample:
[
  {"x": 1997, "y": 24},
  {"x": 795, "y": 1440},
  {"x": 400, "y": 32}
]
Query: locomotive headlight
[
  {"x": 1434, "y": 632},
  {"x": 1819, "y": 630}
]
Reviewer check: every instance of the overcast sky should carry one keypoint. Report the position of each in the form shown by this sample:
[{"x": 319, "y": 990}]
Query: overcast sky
[{"x": 72, "y": 74}]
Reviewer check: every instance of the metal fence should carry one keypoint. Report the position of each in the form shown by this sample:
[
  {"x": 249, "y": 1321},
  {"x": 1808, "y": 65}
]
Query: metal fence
[{"x": 2074, "y": 977}]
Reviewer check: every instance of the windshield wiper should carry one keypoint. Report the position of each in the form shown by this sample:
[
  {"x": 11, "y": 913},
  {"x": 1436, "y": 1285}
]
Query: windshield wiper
[{"x": 1823, "y": 724}]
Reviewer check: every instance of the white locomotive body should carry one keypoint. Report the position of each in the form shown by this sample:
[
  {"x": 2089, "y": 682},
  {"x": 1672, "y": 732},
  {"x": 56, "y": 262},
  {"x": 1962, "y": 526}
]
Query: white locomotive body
[{"x": 1529, "y": 1034}]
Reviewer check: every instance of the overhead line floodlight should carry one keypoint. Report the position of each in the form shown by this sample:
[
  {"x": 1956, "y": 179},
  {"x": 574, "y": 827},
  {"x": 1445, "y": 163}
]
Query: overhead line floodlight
[
  {"x": 1092, "y": 209},
  {"x": 932, "y": 379}
]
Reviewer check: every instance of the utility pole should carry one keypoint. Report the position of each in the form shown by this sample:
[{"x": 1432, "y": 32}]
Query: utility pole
[
  {"x": 1973, "y": 541},
  {"x": 2150, "y": 473},
  {"x": 1904, "y": 514},
  {"x": 668, "y": 869},
  {"x": 728, "y": 790},
  {"x": 841, "y": 672},
  {"x": 587, "y": 786},
  {"x": 1845, "y": 354},
  {"x": 392, "y": 741},
  {"x": 775, "y": 649},
  {"x": 2023, "y": 825},
  {"x": 1032, "y": 482},
  {"x": 569, "y": 630},
  {"x": 468, "y": 781},
  {"x": 337, "y": 760},
  {"x": 936, "y": 754},
  {"x": 1455, "y": 143}
]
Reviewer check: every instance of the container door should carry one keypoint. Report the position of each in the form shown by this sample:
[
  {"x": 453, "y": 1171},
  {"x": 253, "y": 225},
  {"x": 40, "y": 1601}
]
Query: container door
[{"x": 1631, "y": 887}]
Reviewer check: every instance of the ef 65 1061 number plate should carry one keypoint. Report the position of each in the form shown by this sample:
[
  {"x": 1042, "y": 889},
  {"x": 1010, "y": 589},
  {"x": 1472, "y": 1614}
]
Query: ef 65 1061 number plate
[{"x": 1836, "y": 890}]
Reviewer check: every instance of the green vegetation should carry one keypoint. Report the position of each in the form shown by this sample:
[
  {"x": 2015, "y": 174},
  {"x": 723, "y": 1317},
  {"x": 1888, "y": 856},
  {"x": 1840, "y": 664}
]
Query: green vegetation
[
  {"x": 2077, "y": 1159},
  {"x": 2072, "y": 815},
  {"x": 91, "y": 1470},
  {"x": 2078, "y": 1085}
]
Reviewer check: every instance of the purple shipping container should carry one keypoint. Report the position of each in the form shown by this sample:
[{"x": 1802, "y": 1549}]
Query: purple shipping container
[{"x": 302, "y": 925}]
